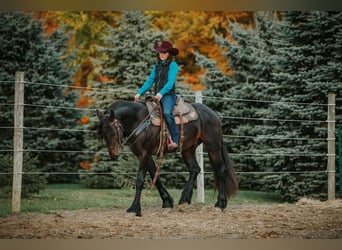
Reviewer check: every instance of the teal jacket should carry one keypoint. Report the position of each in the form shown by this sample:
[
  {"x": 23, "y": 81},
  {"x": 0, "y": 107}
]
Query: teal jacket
[{"x": 171, "y": 80}]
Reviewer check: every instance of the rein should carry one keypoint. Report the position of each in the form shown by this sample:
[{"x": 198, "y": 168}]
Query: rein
[
  {"x": 138, "y": 129},
  {"x": 161, "y": 151}
]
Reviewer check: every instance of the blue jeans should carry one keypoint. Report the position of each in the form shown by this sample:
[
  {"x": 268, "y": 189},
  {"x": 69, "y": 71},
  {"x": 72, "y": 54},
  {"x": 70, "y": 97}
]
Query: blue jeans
[{"x": 168, "y": 103}]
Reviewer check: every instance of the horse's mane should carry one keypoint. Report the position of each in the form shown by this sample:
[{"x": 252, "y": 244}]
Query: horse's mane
[{"x": 124, "y": 106}]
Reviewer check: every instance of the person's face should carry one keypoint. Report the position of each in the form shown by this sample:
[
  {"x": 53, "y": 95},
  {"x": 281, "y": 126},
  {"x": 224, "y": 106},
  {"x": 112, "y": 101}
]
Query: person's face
[{"x": 163, "y": 55}]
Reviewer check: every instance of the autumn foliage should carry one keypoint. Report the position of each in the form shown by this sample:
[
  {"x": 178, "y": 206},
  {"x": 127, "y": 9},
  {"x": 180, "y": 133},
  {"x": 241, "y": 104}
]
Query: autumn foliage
[{"x": 189, "y": 30}]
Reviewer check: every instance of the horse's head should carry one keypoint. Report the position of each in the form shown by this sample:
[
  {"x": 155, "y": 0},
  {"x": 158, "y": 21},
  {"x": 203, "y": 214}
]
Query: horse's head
[{"x": 110, "y": 130}]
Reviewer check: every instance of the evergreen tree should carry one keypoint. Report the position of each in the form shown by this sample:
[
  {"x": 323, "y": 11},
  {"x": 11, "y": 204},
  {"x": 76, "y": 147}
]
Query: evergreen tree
[
  {"x": 287, "y": 62},
  {"x": 24, "y": 47},
  {"x": 127, "y": 59},
  {"x": 248, "y": 53},
  {"x": 31, "y": 184},
  {"x": 306, "y": 73},
  {"x": 217, "y": 83}
]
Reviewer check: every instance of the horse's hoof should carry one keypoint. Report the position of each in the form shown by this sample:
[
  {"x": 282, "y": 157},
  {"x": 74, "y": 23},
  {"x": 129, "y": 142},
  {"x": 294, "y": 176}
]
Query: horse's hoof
[
  {"x": 130, "y": 210},
  {"x": 168, "y": 203},
  {"x": 219, "y": 209},
  {"x": 133, "y": 214},
  {"x": 134, "y": 210},
  {"x": 184, "y": 200},
  {"x": 221, "y": 204}
]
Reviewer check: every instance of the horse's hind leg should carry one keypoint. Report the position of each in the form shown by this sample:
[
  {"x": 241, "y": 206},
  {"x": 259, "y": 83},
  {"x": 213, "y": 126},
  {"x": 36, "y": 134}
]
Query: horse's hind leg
[
  {"x": 224, "y": 174},
  {"x": 164, "y": 195},
  {"x": 194, "y": 169},
  {"x": 220, "y": 177}
]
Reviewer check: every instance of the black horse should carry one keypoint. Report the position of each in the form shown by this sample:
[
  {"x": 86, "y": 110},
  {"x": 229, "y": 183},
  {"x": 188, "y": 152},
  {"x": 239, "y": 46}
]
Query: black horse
[{"x": 122, "y": 120}]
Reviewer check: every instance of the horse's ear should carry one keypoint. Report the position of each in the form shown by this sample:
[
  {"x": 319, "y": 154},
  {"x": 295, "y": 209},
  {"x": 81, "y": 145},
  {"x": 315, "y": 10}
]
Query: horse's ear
[
  {"x": 99, "y": 114},
  {"x": 112, "y": 115}
]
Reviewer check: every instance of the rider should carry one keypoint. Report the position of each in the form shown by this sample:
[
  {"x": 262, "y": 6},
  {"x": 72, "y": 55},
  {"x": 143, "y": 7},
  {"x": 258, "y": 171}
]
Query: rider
[{"x": 163, "y": 76}]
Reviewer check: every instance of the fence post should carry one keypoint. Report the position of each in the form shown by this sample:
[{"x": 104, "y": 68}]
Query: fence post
[
  {"x": 199, "y": 158},
  {"x": 18, "y": 141},
  {"x": 340, "y": 154},
  {"x": 331, "y": 147}
]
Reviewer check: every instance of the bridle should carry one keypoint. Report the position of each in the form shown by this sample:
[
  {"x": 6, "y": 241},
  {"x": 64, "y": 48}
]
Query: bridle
[{"x": 118, "y": 128}]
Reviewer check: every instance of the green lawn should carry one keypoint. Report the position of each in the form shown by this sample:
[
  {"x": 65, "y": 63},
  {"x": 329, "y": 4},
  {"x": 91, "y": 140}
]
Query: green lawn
[{"x": 76, "y": 196}]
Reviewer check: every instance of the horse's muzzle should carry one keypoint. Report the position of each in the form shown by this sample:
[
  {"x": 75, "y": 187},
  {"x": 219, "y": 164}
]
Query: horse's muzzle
[
  {"x": 114, "y": 157},
  {"x": 114, "y": 153}
]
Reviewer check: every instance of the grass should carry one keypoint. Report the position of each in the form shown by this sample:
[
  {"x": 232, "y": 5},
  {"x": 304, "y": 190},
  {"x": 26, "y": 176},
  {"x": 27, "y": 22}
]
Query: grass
[{"x": 76, "y": 196}]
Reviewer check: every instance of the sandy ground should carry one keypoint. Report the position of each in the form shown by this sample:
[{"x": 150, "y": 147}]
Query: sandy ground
[{"x": 304, "y": 220}]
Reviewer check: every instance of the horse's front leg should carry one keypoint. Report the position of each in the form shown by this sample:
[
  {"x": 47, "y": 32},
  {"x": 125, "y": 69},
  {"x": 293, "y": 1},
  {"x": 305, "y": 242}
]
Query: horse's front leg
[
  {"x": 164, "y": 195},
  {"x": 136, "y": 207}
]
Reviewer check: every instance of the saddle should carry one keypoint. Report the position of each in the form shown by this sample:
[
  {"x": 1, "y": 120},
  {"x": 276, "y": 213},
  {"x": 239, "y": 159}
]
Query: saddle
[{"x": 184, "y": 112}]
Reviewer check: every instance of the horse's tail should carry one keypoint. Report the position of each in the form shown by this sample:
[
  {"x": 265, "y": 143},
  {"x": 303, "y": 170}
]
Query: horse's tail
[{"x": 230, "y": 180}]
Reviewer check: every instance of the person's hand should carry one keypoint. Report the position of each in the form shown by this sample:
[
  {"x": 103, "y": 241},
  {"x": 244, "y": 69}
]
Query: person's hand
[
  {"x": 136, "y": 97},
  {"x": 158, "y": 97}
]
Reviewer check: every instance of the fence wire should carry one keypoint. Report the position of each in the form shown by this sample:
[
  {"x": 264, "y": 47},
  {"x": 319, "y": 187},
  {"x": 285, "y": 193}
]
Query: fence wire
[{"x": 93, "y": 89}]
